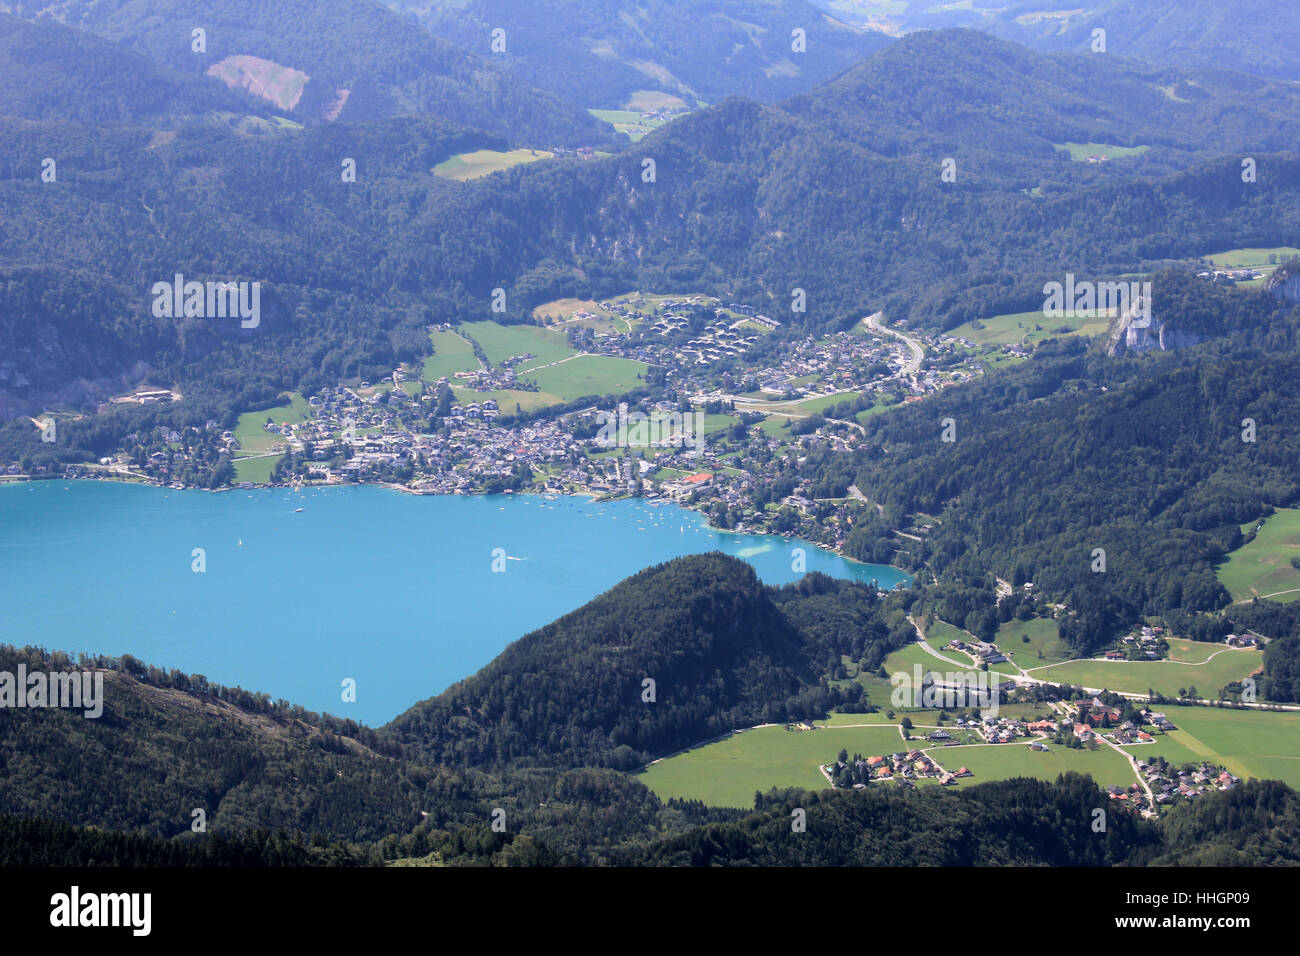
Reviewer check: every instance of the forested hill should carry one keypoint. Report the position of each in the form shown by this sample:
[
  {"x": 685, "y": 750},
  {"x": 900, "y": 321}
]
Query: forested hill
[
  {"x": 1075, "y": 451},
  {"x": 50, "y": 72},
  {"x": 1258, "y": 36},
  {"x": 1007, "y": 823},
  {"x": 983, "y": 100},
  {"x": 169, "y": 743},
  {"x": 702, "y": 630},
  {"x": 362, "y": 61},
  {"x": 285, "y": 787},
  {"x": 600, "y": 52}
]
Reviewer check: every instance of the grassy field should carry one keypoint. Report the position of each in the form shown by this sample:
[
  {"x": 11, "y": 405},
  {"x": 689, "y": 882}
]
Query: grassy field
[
  {"x": 813, "y": 406},
  {"x": 589, "y": 375},
  {"x": 256, "y": 469},
  {"x": 630, "y": 122},
  {"x": 484, "y": 161},
  {"x": 728, "y": 772},
  {"x": 1081, "y": 151},
  {"x": 254, "y": 440},
  {"x": 904, "y": 660},
  {"x": 1165, "y": 677},
  {"x": 451, "y": 354},
  {"x": 1003, "y": 761},
  {"x": 1250, "y": 743},
  {"x": 1262, "y": 568},
  {"x": 507, "y": 399},
  {"x": 500, "y": 342},
  {"x": 562, "y": 311},
  {"x": 1029, "y": 327},
  {"x": 654, "y": 100},
  {"x": 1044, "y": 638},
  {"x": 1251, "y": 258},
  {"x": 1191, "y": 652}
]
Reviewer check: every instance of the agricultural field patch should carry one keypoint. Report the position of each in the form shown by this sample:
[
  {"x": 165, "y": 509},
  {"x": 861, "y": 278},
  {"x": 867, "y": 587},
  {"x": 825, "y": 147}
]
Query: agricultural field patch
[
  {"x": 727, "y": 772},
  {"x": 483, "y": 162},
  {"x": 1250, "y": 743},
  {"x": 1026, "y": 328},
  {"x": 589, "y": 375},
  {"x": 451, "y": 354},
  {"x": 1085, "y": 152},
  {"x": 255, "y": 440},
  {"x": 1262, "y": 568},
  {"x": 500, "y": 342},
  {"x": 1165, "y": 677}
]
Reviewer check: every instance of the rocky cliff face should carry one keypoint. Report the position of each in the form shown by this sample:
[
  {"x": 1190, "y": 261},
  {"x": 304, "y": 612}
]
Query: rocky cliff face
[
  {"x": 1140, "y": 330},
  {"x": 1286, "y": 283}
]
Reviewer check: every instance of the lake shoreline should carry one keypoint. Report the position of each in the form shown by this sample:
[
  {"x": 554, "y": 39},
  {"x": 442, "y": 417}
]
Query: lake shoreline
[{"x": 592, "y": 496}]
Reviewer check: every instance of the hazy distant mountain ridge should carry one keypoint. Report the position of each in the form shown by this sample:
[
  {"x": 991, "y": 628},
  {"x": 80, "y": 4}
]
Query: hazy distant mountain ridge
[
  {"x": 388, "y": 65},
  {"x": 599, "y": 52}
]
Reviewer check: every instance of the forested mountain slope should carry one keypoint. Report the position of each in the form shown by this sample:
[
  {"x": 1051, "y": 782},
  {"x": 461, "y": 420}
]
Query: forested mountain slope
[
  {"x": 1146, "y": 459},
  {"x": 362, "y": 61},
  {"x": 286, "y": 788},
  {"x": 957, "y": 92},
  {"x": 600, "y": 52},
  {"x": 49, "y": 72},
  {"x": 757, "y": 200},
  {"x": 1258, "y": 36},
  {"x": 701, "y": 629}
]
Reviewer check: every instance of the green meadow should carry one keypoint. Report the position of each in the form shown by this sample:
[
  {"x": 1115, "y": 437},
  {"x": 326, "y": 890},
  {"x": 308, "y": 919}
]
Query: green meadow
[
  {"x": 726, "y": 773},
  {"x": 1252, "y": 258},
  {"x": 1081, "y": 151},
  {"x": 630, "y": 122},
  {"x": 1004, "y": 761},
  {"x": 1029, "y": 327},
  {"x": 484, "y": 161},
  {"x": 589, "y": 375},
  {"x": 255, "y": 440},
  {"x": 451, "y": 354},
  {"x": 256, "y": 469},
  {"x": 1262, "y": 568},
  {"x": 500, "y": 342},
  {"x": 507, "y": 399},
  {"x": 1165, "y": 677},
  {"x": 1044, "y": 638},
  {"x": 1250, "y": 743}
]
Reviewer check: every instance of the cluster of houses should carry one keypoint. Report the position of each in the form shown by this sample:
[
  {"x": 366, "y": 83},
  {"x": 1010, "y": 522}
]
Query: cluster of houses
[
  {"x": 1230, "y": 276},
  {"x": 997, "y": 729},
  {"x": 1132, "y": 798},
  {"x": 1148, "y": 643},
  {"x": 1168, "y": 783},
  {"x": 901, "y": 767},
  {"x": 1094, "y": 716}
]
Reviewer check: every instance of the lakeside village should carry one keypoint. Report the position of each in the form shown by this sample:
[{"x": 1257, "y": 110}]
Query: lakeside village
[
  {"x": 745, "y": 401},
  {"x": 1091, "y": 723}
]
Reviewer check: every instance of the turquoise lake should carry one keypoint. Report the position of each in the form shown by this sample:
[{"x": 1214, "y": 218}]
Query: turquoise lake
[{"x": 393, "y": 590}]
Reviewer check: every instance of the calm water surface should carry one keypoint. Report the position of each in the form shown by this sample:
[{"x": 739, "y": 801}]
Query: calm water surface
[{"x": 393, "y": 590}]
